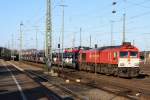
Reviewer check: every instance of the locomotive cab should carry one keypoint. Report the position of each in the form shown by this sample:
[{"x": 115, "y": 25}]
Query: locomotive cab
[{"x": 128, "y": 61}]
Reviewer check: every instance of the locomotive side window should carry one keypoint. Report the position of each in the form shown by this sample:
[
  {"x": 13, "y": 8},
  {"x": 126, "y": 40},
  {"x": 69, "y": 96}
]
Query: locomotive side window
[
  {"x": 115, "y": 55},
  {"x": 64, "y": 55},
  {"x": 84, "y": 56},
  {"x": 69, "y": 55},
  {"x": 123, "y": 54},
  {"x": 133, "y": 54}
]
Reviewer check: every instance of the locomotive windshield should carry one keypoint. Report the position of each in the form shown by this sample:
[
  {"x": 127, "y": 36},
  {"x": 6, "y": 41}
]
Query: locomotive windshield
[
  {"x": 123, "y": 54},
  {"x": 133, "y": 54},
  {"x": 69, "y": 55}
]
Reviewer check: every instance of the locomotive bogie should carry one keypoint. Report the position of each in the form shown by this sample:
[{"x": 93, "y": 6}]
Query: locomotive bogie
[{"x": 128, "y": 72}]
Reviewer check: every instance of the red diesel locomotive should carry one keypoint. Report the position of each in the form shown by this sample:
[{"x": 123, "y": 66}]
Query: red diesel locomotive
[{"x": 120, "y": 60}]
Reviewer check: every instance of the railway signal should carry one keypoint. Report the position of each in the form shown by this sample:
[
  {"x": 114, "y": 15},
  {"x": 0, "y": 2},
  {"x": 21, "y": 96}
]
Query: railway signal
[
  {"x": 58, "y": 45},
  {"x": 113, "y": 4},
  {"x": 95, "y": 45}
]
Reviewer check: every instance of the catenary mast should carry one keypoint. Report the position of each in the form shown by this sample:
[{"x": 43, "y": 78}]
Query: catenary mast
[
  {"x": 21, "y": 36},
  {"x": 48, "y": 35}
]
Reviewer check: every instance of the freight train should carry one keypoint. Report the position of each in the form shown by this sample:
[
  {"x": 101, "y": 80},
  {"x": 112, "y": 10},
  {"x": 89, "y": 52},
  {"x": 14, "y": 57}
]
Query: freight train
[
  {"x": 122, "y": 60},
  {"x": 5, "y": 53},
  {"x": 33, "y": 55}
]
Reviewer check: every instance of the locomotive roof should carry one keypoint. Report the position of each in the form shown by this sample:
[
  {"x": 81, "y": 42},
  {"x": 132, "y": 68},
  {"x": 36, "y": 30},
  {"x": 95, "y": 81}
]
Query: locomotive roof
[
  {"x": 110, "y": 47},
  {"x": 106, "y": 47},
  {"x": 80, "y": 47}
]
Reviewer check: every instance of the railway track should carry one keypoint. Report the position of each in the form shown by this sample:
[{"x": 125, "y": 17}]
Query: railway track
[
  {"x": 102, "y": 83},
  {"x": 17, "y": 85},
  {"x": 65, "y": 90},
  {"x": 132, "y": 88},
  {"x": 43, "y": 79}
]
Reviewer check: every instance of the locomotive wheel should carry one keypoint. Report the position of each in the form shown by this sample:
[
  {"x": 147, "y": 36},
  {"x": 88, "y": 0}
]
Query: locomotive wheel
[{"x": 116, "y": 73}]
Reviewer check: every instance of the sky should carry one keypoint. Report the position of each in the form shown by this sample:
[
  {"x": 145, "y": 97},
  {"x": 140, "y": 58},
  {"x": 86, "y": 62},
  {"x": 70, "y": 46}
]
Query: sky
[{"x": 94, "y": 17}]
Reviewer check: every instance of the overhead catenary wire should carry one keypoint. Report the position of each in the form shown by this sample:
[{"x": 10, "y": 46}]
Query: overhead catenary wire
[
  {"x": 140, "y": 4},
  {"x": 92, "y": 30}
]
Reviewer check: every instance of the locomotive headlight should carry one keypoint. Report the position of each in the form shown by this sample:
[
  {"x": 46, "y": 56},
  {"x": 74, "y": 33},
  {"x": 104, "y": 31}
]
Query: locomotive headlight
[{"x": 121, "y": 64}]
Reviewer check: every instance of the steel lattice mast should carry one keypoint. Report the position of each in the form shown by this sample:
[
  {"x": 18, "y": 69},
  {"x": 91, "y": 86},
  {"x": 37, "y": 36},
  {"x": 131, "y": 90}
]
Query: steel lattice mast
[{"x": 48, "y": 35}]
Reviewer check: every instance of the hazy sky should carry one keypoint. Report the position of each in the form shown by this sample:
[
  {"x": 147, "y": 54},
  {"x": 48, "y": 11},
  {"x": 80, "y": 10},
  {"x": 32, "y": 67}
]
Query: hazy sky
[{"x": 93, "y": 16}]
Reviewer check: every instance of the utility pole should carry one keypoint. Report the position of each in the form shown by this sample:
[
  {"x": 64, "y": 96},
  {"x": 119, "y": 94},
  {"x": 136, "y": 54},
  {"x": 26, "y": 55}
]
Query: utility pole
[
  {"x": 90, "y": 41},
  {"x": 95, "y": 59},
  {"x": 59, "y": 54},
  {"x": 20, "y": 51},
  {"x": 2, "y": 53},
  {"x": 62, "y": 30},
  {"x": 112, "y": 22},
  {"x": 8, "y": 45},
  {"x": 44, "y": 46},
  {"x": 48, "y": 35},
  {"x": 36, "y": 43},
  {"x": 80, "y": 37},
  {"x": 12, "y": 51},
  {"x": 133, "y": 43},
  {"x": 124, "y": 27},
  {"x": 73, "y": 40},
  {"x": 124, "y": 22}
]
